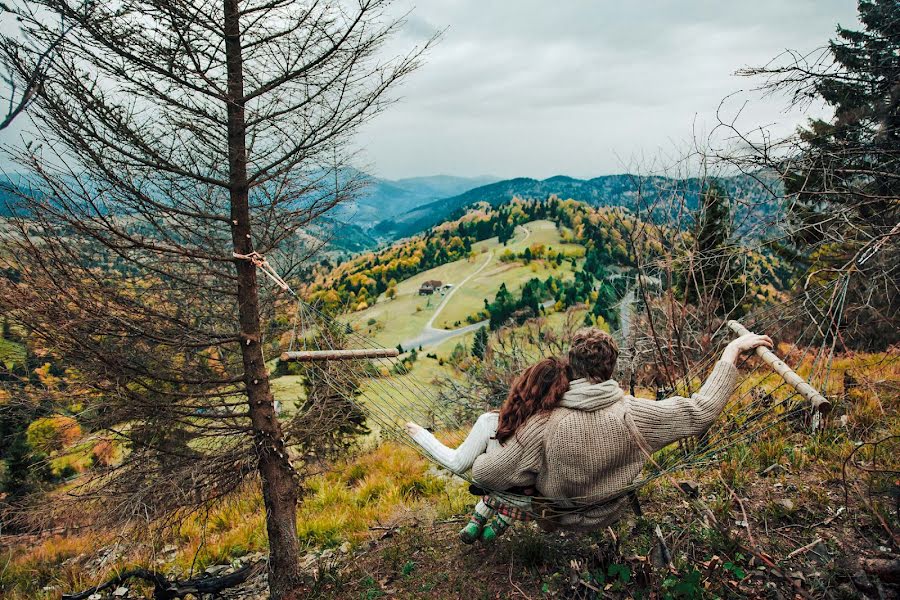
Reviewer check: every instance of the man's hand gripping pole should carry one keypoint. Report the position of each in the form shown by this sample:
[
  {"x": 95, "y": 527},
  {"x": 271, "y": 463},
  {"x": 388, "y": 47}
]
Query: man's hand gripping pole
[{"x": 819, "y": 402}]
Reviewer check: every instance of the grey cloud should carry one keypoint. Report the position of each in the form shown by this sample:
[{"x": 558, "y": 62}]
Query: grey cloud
[{"x": 535, "y": 88}]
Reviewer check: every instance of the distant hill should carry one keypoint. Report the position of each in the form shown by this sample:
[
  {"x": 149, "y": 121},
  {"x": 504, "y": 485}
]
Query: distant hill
[
  {"x": 609, "y": 190},
  {"x": 11, "y": 188},
  {"x": 383, "y": 198},
  {"x": 392, "y": 209},
  {"x": 337, "y": 234}
]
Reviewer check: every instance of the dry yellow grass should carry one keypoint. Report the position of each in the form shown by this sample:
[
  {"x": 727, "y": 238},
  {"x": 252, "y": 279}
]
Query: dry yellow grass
[
  {"x": 376, "y": 487},
  {"x": 389, "y": 483}
]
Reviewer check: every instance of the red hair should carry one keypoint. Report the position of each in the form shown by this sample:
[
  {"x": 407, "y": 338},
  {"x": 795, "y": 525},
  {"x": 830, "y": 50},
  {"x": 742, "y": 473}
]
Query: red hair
[{"x": 537, "y": 390}]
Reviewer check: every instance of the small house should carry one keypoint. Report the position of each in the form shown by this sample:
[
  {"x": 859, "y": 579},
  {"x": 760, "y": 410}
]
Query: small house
[{"x": 429, "y": 287}]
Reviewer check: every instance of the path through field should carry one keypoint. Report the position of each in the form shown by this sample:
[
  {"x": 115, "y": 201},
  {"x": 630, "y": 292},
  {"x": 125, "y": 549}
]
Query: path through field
[
  {"x": 446, "y": 299},
  {"x": 431, "y": 336}
]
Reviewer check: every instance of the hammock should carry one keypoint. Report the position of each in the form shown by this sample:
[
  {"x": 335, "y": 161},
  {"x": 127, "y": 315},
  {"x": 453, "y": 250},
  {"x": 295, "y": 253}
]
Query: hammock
[{"x": 373, "y": 379}]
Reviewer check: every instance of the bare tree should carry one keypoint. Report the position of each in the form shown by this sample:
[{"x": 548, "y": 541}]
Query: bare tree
[
  {"x": 20, "y": 91},
  {"x": 177, "y": 139},
  {"x": 841, "y": 176},
  {"x": 700, "y": 253}
]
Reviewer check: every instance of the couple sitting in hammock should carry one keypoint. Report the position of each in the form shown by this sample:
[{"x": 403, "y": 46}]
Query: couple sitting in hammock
[{"x": 568, "y": 432}]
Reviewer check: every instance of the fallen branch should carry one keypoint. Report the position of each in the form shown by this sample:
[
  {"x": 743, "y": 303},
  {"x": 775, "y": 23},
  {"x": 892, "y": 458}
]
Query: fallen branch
[
  {"x": 777, "y": 572},
  {"x": 163, "y": 589},
  {"x": 819, "y": 402},
  {"x": 827, "y": 521},
  {"x": 805, "y": 548},
  {"x": 665, "y": 554},
  {"x": 514, "y": 584},
  {"x": 320, "y": 355}
]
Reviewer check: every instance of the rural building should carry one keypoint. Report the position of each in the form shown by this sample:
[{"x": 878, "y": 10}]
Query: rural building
[{"x": 429, "y": 287}]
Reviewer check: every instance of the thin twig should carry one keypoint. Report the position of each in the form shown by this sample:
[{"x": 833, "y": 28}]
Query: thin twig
[
  {"x": 513, "y": 583},
  {"x": 804, "y": 549}
]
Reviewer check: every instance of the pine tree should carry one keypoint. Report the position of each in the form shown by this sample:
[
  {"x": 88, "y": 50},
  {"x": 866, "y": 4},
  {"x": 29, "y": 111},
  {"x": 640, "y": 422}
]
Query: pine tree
[
  {"x": 843, "y": 181},
  {"x": 710, "y": 273},
  {"x": 501, "y": 308},
  {"x": 850, "y": 164},
  {"x": 176, "y": 140}
]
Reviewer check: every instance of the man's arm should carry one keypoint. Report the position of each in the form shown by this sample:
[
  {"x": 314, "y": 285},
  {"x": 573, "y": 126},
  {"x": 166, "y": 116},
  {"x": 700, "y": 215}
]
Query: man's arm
[
  {"x": 672, "y": 419},
  {"x": 516, "y": 463}
]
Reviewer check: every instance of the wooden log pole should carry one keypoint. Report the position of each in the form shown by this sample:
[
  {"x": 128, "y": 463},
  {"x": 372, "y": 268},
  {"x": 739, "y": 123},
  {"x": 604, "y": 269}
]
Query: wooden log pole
[
  {"x": 320, "y": 355},
  {"x": 820, "y": 403}
]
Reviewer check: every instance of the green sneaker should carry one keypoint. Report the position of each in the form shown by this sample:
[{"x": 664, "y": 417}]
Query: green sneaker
[
  {"x": 472, "y": 531},
  {"x": 496, "y": 528}
]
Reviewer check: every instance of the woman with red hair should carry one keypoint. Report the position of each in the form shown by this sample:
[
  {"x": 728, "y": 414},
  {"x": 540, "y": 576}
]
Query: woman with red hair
[{"x": 536, "y": 392}]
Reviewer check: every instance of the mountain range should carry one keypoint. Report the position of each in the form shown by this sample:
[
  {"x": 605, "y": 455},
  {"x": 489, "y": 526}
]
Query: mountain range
[
  {"x": 631, "y": 191},
  {"x": 383, "y": 199},
  {"x": 388, "y": 210}
]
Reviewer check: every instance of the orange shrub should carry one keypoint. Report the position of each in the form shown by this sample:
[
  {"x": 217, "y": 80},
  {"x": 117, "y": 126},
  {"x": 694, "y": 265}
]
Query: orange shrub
[{"x": 52, "y": 434}]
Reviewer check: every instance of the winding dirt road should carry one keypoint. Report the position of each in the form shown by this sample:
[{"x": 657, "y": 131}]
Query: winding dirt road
[{"x": 432, "y": 336}]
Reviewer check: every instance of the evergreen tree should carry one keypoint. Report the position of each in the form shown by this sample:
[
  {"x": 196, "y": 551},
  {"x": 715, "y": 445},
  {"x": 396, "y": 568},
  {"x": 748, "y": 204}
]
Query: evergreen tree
[
  {"x": 531, "y": 296},
  {"x": 501, "y": 308},
  {"x": 479, "y": 344},
  {"x": 850, "y": 163},
  {"x": 711, "y": 273},
  {"x": 843, "y": 182}
]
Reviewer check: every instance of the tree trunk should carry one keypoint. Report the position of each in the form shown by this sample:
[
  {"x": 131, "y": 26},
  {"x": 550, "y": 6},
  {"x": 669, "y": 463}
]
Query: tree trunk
[{"x": 276, "y": 473}]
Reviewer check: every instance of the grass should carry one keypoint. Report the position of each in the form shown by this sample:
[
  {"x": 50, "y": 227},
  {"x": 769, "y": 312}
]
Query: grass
[
  {"x": 390, "y": 486},
  {"x": 381, "y": 487},
  {"x": 12, "y": 354},
  {"x": 390, "y": 322},
  {"x": 404, "y": 316},
  {"x": 413, "y": 553},
  {"x": 384, "y": 486},
  {"x": 470, "y": 299},
  {"x": 785, "y": 512}
]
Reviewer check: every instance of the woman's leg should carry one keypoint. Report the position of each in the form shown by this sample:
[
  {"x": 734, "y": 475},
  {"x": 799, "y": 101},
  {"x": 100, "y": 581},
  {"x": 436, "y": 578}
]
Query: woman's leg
[
  {"x": 480, "y": 516},
  {"x": 509, "y": 509}
]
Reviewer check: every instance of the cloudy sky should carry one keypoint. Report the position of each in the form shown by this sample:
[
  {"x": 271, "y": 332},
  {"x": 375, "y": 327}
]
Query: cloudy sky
[{"x": 583, "y": 87}]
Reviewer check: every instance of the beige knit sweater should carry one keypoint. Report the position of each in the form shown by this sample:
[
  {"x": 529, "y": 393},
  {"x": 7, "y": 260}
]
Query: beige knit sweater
[{"x": 586, "y": 452}]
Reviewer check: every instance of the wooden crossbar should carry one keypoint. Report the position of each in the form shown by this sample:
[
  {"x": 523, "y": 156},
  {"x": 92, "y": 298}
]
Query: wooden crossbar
[
  {"x": 820, "y": 403},
  {"x": 318, "y": 355}
]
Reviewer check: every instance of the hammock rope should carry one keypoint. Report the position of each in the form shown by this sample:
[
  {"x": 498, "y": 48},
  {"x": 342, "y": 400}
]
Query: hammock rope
[{"x": 378, "y": 384}]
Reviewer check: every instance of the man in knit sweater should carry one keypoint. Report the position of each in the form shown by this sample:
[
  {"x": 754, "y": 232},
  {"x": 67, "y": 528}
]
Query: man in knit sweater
[{"x": 594, "y": 445}]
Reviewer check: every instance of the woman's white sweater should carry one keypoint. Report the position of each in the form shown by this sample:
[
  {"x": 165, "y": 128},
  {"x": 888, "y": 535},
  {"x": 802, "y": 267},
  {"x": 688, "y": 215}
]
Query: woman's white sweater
[{"x": 460, "y": 460}]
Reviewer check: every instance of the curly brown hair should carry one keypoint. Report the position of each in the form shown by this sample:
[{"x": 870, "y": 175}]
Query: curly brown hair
[
  {"x": 536, "y": 391},
  {"x": 593, "y": 355}
]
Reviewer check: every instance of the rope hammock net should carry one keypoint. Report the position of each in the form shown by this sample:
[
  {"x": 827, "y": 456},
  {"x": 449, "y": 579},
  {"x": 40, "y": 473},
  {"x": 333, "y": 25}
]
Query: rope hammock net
[{"x": 378, "y": 383}]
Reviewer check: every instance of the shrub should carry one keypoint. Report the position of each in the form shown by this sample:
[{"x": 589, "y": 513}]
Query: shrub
[{"x": 52, "y": 434}]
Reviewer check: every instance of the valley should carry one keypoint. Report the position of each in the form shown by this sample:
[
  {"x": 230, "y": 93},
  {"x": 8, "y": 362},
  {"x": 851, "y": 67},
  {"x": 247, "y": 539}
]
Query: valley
[
  {"x": 413, "y": 320},
  {"x": 560, "y": 264}
]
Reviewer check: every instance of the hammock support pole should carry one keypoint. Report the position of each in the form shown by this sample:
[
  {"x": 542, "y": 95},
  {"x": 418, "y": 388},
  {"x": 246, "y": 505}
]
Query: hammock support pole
[
  {"x": 320, "y": 355},
  {"x": 819, "y": 402}
]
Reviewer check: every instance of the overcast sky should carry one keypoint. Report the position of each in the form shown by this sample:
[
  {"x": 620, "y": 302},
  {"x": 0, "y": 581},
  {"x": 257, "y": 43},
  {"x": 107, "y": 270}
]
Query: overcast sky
[
  {"x": 578, "y": 87},
  {"x": 583, "y": 87}
]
